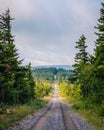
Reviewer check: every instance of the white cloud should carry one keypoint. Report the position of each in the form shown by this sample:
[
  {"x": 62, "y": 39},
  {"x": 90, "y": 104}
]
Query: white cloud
[
  {"x": 21, "y": 10},
  {"x": 46, "y": 31}
]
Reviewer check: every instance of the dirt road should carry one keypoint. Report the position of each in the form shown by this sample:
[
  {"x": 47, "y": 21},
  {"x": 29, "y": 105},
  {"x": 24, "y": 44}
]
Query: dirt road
[
  {"x": 54, "y": 119},
  {"x": 55, "y": 116}
]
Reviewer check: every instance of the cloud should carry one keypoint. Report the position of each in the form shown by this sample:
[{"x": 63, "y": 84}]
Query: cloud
[
  {"x": 19, "y": 9},
  {"x": 46, "y": 31}
]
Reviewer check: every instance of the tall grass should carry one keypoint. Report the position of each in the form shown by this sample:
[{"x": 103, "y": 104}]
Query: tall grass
[
  {"x": 17, "y": 112},
  {"x": 92, "y": 113}
]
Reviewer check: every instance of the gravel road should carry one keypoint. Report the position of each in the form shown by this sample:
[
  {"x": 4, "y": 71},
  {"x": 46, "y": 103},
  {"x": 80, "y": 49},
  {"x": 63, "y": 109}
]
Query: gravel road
[{"x": 55, "y": 116}]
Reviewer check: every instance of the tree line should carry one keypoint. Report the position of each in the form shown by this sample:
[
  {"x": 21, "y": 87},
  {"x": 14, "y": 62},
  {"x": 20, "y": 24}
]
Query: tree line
[
  {"x": 89, "y": 69},
  {"x": 47, "y": 74},
  {"x": 16, "y": 81}
]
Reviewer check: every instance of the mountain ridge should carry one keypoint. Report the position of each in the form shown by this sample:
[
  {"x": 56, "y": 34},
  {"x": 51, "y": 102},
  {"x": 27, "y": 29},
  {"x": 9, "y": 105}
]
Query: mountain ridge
[{"x": 65, "y": 67}]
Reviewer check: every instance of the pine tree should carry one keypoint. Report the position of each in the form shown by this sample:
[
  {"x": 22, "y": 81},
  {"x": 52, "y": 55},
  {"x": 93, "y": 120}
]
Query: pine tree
[
  {"x": 81, "y": 60},
  {"x": 9, "y": 56},
  {"x": 81, "y": 57},
  {"x": 99, "y": 50},
  {"x": 31, "y": 81},
  {"x": 2, "y": 78},
  {"x": 99, "y": 56},
  {"x": 16, "y": 81},
  {"x": 5, "y": 26}
]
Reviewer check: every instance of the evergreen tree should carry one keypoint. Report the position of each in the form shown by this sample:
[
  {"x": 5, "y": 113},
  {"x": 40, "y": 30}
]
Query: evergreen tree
[
  {"x": 16, "y": 82},
  {"x": 31, "y": 81},
  {"x": 8, "y": 53},
  {"x": 99, "y": 57},
  {"x": 99, "y": 50},
  {"x": 81, "y": 57},
  {"x": 2, "y": 78},
  {"x": 5, "y": 26},
  {"x": 81, "y": 60}
]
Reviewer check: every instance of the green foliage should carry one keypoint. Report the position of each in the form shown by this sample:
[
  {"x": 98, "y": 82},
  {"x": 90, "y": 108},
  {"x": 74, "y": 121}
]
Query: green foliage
[
  {"x": 80, "y": 69},
  {"x": 88, "y": 73},
  {"x": 47, "y": 74},
  {"x": 62, "y": 75},
  {"x": 93, "y": 112},
  {"x": 16, "y": 81},
  {"x": 44, "y": 74},
  {"x": 43, "y": 89},
  {"x": 70, "y": 90},
  {"x": 18, "y": 112},
  {"x": 99, "y": 57}
]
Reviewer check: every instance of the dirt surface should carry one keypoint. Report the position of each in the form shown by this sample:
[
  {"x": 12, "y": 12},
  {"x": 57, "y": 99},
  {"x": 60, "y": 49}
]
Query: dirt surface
[{"x": 55, "y": 116}]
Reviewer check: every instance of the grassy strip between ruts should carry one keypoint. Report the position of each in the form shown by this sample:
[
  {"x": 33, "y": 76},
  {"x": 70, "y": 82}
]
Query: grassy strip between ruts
[
  {"x": 11, "y": 114},
  {"x": 90, "y": 114}
]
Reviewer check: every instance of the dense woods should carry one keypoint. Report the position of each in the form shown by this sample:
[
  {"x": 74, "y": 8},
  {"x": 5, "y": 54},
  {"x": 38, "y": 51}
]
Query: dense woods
[
  {"x": 89, "y": 69},
  {"x": 20, "y": 95},
  {"x": 16, "y": 81},
  {"x": 84, "y": 84},
  {"x": 49, "y": 74},
  {"x": 85, "y": 88}
]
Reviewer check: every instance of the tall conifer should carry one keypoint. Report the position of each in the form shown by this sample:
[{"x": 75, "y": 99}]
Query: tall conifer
[
  {"x": 9, "y": 56},
  {"x": 81, "y": 60},
  {"x": 99, "y": 56}
]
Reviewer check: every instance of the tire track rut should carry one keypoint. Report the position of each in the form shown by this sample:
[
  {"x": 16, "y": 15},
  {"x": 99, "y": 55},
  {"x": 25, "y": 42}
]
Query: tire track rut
[{"x": 55, "y": 116}]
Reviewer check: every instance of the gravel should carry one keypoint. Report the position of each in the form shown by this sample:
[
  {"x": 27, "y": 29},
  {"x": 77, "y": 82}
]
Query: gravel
[
  {"x": 79, "y": 123},
  {"x": 56, "y": 115},
  {"x": 30, "y": 120}
]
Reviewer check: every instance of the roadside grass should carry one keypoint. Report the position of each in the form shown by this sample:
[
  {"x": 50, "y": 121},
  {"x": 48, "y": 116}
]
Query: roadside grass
[
  {"x": 11, "y": 114},
  {"x": 91, "y": 114},
  {"x": 93, "y": 118}
]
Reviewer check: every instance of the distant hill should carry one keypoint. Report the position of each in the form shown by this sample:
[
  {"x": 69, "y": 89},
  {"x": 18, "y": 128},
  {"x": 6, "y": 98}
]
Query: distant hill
[
  {"x": 65, "y": 67},
  {"x": 47, "y": 73}
]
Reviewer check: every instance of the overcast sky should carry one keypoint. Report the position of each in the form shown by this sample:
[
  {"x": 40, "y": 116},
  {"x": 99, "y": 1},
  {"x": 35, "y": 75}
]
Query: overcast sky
[{"x": 46, "y": 30}]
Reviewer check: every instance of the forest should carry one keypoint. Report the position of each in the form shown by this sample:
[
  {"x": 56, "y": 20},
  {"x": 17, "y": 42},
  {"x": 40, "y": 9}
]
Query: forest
[
  {"x": 82, "y": 87},
  {"x": 85, "y": 88},
  {"x": 16, "y": 80},
  {"x": 89, "y": 69},
  {"x": 47, "y": 74},
  {"x": 20, "y": 95}
]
